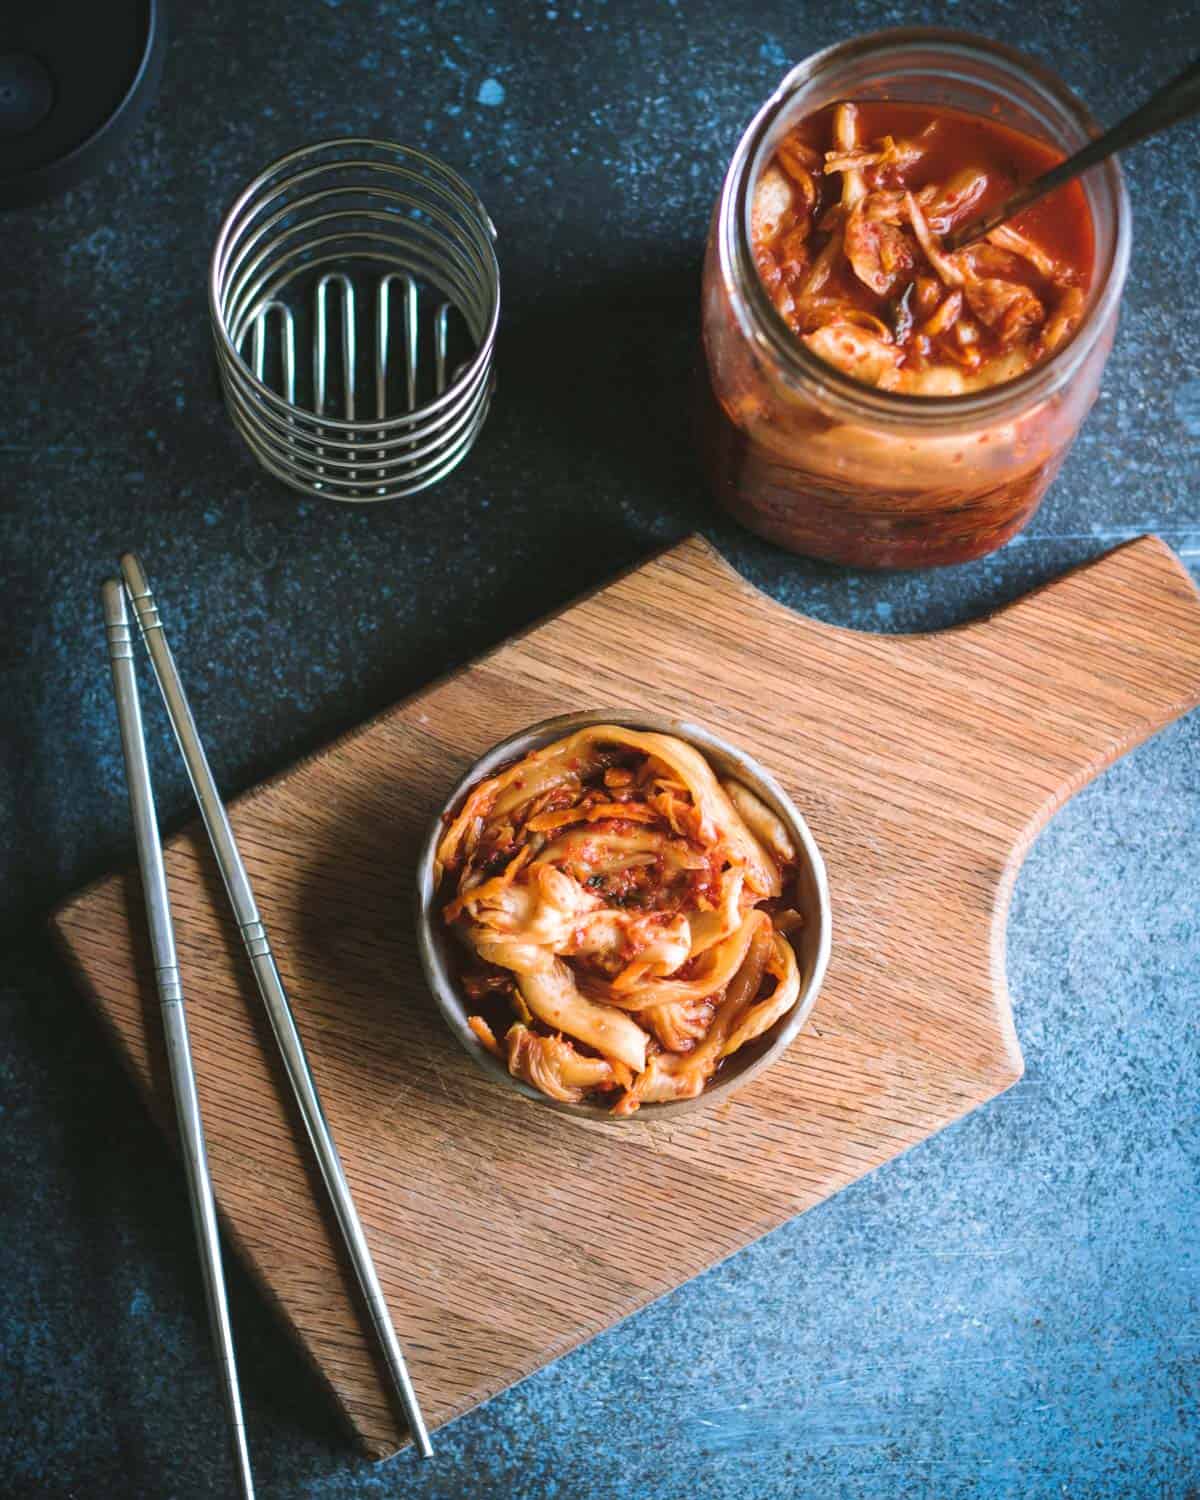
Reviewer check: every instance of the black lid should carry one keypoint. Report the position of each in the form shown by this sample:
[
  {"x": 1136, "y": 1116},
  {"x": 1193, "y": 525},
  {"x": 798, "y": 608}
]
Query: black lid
[{"x": 75, "y": 79}]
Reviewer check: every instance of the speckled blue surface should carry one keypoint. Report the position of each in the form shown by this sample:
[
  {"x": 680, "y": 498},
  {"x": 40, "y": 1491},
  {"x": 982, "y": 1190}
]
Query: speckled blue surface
[{"x": 1011, "y": 1309}]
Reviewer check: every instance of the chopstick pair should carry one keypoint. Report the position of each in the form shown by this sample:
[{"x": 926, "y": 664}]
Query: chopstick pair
[{"x": 134, "y": 589}]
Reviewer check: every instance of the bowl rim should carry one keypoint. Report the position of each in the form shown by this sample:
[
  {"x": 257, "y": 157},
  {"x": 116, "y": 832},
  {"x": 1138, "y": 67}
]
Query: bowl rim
[{"x": 440, "y": 979}]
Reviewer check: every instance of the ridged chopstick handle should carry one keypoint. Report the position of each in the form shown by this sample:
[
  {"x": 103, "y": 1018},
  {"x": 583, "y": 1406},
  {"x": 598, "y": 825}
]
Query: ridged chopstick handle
[
  {"x": 170, "y": 994},
  {"x": 271, "y": 988}
]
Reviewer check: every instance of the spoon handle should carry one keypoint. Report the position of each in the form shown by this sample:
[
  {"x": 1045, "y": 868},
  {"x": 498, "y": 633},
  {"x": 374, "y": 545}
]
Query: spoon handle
[{"x": 1173, "y": 102}]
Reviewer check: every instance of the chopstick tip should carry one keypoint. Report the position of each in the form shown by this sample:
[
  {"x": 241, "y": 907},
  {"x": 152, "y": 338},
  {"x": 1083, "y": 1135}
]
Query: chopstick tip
[
  {"x": 133, "y": 573},
  {"x": 112, "y": 596}
]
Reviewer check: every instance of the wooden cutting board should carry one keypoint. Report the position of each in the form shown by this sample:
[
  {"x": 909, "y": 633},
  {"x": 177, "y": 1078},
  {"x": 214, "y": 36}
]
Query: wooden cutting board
[{"x": 506, "y": 1234}]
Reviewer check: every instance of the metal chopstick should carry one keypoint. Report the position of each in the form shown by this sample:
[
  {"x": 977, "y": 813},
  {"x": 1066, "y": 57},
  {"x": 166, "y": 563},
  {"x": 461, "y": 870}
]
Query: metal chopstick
[
  {"x": 170, "y": 994},
  {"x": 270, "y": 986}
]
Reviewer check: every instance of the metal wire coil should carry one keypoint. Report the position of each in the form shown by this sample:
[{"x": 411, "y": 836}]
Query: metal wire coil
[{"x": 315, "y": 227}]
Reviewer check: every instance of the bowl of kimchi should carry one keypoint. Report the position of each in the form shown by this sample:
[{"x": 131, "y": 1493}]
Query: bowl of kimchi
[{"x": 619, "y": 915}]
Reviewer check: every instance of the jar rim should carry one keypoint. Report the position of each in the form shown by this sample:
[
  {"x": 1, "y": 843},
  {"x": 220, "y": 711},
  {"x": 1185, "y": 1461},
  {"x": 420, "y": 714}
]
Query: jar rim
[{"x": 766, "y": 329}]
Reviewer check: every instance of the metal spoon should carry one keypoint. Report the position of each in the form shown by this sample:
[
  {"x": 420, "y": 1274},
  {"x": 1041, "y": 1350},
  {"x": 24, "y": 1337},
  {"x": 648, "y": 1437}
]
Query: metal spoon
[{"x": 1173, "y": 102}]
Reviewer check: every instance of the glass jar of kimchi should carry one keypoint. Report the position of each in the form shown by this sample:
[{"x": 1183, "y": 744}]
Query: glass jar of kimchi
[{"x": 870, "y": 399}]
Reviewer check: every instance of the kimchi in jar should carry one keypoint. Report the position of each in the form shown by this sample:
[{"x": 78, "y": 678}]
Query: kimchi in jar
[{"x": 874, "y": 398}]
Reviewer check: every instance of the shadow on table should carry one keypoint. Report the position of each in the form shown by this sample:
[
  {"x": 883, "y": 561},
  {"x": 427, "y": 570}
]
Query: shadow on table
[{"x": 597, "y": 381}]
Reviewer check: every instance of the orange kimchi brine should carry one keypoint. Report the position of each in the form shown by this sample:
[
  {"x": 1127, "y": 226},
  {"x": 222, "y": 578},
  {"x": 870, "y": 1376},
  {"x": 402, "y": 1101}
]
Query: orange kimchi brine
[
  {"x": 622, "y": 916},
  {"x": 875, "y": 397},
  {"x": 847, "y": 223}
]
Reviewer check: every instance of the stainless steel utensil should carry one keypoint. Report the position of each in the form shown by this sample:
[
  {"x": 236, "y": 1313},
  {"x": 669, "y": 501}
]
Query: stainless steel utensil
[
  {"x": 270, "y": 986},
  {"x": 321, "y": 243},
  {"x": 1175, "y": 101},
  {"x": 170, "y": 995}
]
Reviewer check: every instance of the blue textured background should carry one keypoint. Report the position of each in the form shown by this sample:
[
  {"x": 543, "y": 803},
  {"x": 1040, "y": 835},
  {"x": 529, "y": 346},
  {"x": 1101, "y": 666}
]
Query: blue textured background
[{"x": 1010, "y": 1310}]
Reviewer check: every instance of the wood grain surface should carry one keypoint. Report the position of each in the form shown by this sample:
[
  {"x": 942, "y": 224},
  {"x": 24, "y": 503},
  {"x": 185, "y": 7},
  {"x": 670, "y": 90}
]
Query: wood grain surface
[{"x": 505, "y": 1233}]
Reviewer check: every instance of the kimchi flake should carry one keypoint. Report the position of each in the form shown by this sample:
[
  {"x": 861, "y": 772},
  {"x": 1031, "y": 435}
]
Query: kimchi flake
[{"x": 848, "y": 221}]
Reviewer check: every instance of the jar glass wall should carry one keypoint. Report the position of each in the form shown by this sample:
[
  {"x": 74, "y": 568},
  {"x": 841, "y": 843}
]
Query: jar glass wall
[{"x": 829, "y": 467}]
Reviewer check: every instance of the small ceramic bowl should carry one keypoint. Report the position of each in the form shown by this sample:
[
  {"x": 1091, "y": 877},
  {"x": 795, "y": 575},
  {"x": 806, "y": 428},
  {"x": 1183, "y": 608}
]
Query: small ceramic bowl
[{"x": 812, "y": 898}]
